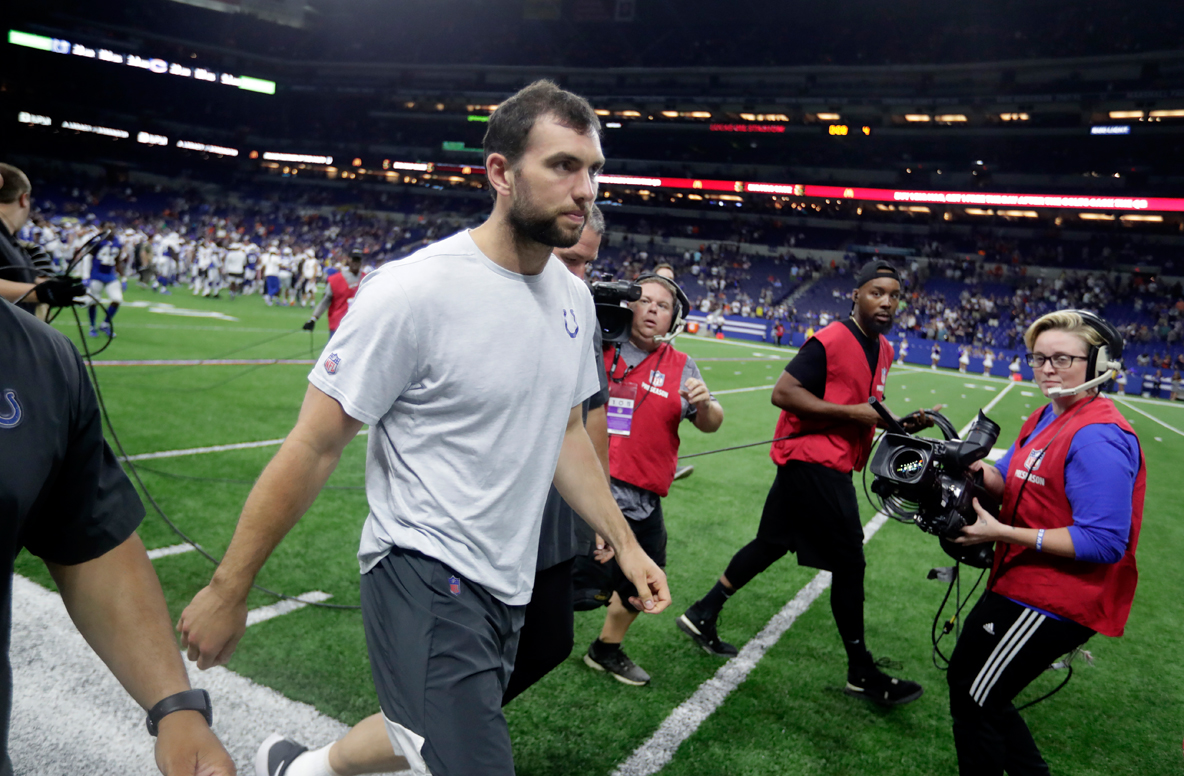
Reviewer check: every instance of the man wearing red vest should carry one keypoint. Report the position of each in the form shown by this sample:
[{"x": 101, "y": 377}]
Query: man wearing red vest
[
  {"x": 1071, "y": 489},
  {"x": 339, "y": 294},
  {"x": 825, "y": 432},
  {"x": 652, "y": 388}
]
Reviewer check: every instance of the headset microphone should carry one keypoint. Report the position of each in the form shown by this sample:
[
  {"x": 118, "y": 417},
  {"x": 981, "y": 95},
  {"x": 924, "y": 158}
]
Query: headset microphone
[{"x": 1109, "y": 374}]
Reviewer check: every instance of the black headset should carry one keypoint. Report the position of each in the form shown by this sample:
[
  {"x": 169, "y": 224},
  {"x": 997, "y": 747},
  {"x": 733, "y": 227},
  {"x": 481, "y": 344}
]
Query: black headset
[
  {"x": 682, "y": 304},
  {"x": 1107, "y": 356}
]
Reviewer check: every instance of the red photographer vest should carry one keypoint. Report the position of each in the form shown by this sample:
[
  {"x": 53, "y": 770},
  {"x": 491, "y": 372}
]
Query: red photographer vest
[
  {"x": 1096, "y": 595},
  {"x": 343, "y": 297},
  {"x": 648, "y": 457},
  {"x": 835, "y": 445}
]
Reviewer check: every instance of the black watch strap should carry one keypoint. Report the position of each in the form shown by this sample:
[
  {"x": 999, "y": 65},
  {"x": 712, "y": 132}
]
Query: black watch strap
[{"x": 190, "y": 700}]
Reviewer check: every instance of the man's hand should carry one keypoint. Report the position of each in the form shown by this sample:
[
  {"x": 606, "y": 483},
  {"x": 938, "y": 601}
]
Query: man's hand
[
  {"x": 60, "y": 291},
  {"x": 864, "y": 414},
  {"x": 649, "y": 579},
  {"x": 604, "y": 551},
  {"x": 695, "y": 391},
  {"x": 310, "y": 324},
  {"x": 185, "y": 746},
  {"x": 212, "y": 625},
  {"x": 916, "y": 421}
]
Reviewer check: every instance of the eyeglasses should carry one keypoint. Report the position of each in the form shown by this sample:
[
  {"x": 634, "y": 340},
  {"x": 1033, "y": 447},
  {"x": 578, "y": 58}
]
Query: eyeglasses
[{"x": 1059, "y": 360}]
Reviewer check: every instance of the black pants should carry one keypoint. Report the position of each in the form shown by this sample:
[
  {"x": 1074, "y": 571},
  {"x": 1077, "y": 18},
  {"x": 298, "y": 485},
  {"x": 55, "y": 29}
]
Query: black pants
[
  {"x": 1003, "y": 647},
  {"x": 547, "y": 636}
]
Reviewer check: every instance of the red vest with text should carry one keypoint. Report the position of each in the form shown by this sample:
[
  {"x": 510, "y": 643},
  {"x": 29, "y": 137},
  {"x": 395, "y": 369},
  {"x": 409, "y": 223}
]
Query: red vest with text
[
  {"x": 343, "y": 297},
  {"x": 1096, "y": 595},
  {"x": 836, "y": 445},
  {"x": 648, "y": 457}
]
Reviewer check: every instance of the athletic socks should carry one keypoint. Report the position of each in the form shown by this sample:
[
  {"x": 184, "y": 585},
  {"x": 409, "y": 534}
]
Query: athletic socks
[
  {"x": 111, "y": 310},
  {"x": 312, "y": 763},
  {"x": 91, "y": 311},
  {"x": 604, "y": 648},
  {"x": 709, "y": 605}
]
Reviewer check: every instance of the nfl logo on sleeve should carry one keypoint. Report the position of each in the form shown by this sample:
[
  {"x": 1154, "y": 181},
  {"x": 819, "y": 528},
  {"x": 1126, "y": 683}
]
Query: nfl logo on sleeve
[
  {"x": 454, "y": 585},
  {"x": 331, "y": 363}
]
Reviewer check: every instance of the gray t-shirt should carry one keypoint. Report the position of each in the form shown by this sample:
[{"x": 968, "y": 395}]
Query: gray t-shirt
[
  {"x": 467, "y": 374},
  {"x": 638, "y": 503}
]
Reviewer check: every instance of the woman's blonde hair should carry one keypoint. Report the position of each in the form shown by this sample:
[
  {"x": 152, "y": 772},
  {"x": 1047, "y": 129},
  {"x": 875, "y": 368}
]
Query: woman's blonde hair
[{"x": 1067, "y": 321}]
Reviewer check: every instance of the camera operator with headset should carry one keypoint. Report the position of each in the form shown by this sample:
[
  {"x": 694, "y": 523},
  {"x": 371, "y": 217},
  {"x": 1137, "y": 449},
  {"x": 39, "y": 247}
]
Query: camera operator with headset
[
  {"x": 652, "y": 388},
  {"x": 1072, "y": 491}
]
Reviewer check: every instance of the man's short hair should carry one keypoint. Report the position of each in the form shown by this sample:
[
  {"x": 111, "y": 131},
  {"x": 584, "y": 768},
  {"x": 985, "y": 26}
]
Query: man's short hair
[
  {"x": 511, "y": 123},
  {"x": 15, "y": 184},
  {"x": 596, "y": 220}
]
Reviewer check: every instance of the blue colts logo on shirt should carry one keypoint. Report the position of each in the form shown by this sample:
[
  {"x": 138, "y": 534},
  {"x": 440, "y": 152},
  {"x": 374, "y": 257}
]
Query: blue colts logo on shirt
[
  {"x": 568, "y": 326},
  {"x": 10, "y": 410}
]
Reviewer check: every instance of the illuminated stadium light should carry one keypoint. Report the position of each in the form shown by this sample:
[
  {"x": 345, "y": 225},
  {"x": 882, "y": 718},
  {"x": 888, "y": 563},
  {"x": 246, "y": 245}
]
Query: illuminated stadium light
[
  {"x": 147, "y": 138},
  {"x": 828, "y": 116},
  {"x": 1146, "y": 219},
  {"x": 189, "y": 145},
  {"x": 1167, "y": 114},
  {"x": 1019, "y": 214},
  {"x": 916, "y": 117},
  {"x": 34, "y": 119},
  {"x": 1014, "y": 116},
  {"x": 603, "y": 112},
  {"x": 671, "y": 114},
  {"x": 978, "y": 211},
  {"x": 150, "y": 64},
  {"x": 703, "y": 114},
  {"x": 629, "y": 180},
  {"x": 94, "y": 130},
  {"x": 760, "y": 116},
  {"x": 914, "y": 208},
  {"x": 275, "y": 156},
  {"x": 880, "y": 206},
  {"x": 1111, "y": 129},
  {"x": 952, "y": 118},
  {"x": 415, "y": 166},
  {"x": 1095, "y": 217},
  {"x": 628, "y": 114},
  {"x": 613, "y": 125},
  {"x": 1126, "y": 114}
]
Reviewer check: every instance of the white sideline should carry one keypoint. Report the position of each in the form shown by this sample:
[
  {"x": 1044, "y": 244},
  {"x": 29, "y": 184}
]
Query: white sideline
[
  {"x": 286, "y": 606},
  {"x": 1149, "y": 416},
  {"x": 213, "y": 449},
  {"x": 70, "y": 716},
  {"x": 173, "y": 549},
  {"x": 654, "y": 754}
]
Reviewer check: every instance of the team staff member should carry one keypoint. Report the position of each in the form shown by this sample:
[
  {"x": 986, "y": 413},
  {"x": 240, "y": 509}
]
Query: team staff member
[
  {"x": 470, "y": 360},
  {"x": 19, "y": 281},
  {"x": 67, "y": 501},
  {"x": 339, "y": 294},
  {"x": 812, "y": 508},
  {"x": 654, "y": 388},
  {"x": 1071, "y": 489}
]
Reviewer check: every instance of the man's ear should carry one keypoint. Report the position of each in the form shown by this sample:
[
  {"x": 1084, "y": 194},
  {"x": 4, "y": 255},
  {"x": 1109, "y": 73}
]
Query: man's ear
[
  {"x": 26, "y": 200},
  {"x": 499, "y": 174}
]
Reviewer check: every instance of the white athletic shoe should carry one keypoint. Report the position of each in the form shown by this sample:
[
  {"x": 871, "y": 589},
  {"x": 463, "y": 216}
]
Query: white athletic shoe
[{"x": 276, "y": 754}]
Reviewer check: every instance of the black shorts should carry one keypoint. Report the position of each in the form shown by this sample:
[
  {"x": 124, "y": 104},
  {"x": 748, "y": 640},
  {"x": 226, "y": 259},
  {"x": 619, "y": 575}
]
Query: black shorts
[
  {"x": 651, "y": 535},
  {"x": 441, "y": 652},
  {"x": 812, "y": 511}
]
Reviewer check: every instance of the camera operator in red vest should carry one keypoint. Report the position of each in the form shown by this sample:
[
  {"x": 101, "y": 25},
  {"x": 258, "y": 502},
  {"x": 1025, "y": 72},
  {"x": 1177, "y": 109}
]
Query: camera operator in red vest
[
  {"x": 1071, "y": 489},
  {"x": 825, "y": 432},
  {"x": 339, "y": 294},
  {"x": 652, "y": 388}
]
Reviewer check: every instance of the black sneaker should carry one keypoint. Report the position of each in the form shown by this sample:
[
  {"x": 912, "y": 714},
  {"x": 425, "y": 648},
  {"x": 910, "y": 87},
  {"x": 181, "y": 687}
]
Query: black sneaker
[
  {"x": 618, "y": 664},
  {"x": 276, "y": 755},
  {"x": 880, "y": 688},
  {"x": 702, "y": 630}
]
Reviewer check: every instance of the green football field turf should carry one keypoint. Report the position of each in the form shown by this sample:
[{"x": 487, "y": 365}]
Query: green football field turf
[{"x": 1124, "y": 715}]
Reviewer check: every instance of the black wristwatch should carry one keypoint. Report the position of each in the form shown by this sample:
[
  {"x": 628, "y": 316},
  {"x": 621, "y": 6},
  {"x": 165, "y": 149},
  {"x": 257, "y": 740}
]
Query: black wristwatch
[{"x": 190, "y": 700}]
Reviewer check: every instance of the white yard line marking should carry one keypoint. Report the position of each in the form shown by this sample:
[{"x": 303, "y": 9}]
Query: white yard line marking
[
  {"x": 990, "y": 406},
  {"x": 211, "y": 362},
  {"x": 286, "y": 606},
  {"x": 214, "y": 449},
  {"x": 745, "y": 390},
  {"x": 654, "y": 754},
  {"x": 69, "y": 714},
  {"x": 175, "y": 549},
  {"x": 1149, "y": 416}
]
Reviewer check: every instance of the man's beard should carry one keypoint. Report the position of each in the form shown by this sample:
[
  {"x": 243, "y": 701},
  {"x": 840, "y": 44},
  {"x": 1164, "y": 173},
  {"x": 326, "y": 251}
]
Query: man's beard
[{"x": 527, "y": 222}]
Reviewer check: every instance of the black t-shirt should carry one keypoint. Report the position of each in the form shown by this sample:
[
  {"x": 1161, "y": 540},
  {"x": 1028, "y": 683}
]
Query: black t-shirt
[
  {"x": 809, "y": 365},
  {"x": 63, "y": 495}
]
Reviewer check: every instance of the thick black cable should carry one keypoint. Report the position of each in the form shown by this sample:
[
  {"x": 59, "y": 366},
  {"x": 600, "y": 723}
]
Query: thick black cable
[
  {"x": 1052, "y": 692},
  {"x": 176, "y": 529},
  {"x": 734, "y": 447}
]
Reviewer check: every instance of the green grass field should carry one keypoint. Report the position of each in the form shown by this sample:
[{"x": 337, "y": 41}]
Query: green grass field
[{"x": 1125, "y": 715}]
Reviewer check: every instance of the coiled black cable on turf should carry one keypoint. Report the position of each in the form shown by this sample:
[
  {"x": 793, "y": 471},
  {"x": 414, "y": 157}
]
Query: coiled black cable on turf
[{"x": 176, "y": 529}]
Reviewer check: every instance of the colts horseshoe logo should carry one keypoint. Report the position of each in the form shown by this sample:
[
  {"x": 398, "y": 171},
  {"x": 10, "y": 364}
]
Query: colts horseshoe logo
[
  {"x": 568, "y": 326},
  {"x": 10, "y": 415}
]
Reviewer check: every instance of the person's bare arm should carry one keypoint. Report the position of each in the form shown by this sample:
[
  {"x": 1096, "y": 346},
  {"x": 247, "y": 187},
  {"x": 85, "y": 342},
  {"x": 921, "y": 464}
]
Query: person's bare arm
[
  {"x": 215, "y": 620},
  {"x": 1056, "y": 541},
  {"x": 16, "y": 292},
  {"x": 709, "y": 415},
  {"x": 790, "y": 395},
  {"x": 580, "y": 482},
  {"x": 117, "y": 605},
  {"x": 597, "y": 425}
]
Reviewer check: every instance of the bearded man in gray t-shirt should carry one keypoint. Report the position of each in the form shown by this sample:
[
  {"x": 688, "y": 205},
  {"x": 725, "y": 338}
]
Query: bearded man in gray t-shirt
[{"x": 470, "y": 361}]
